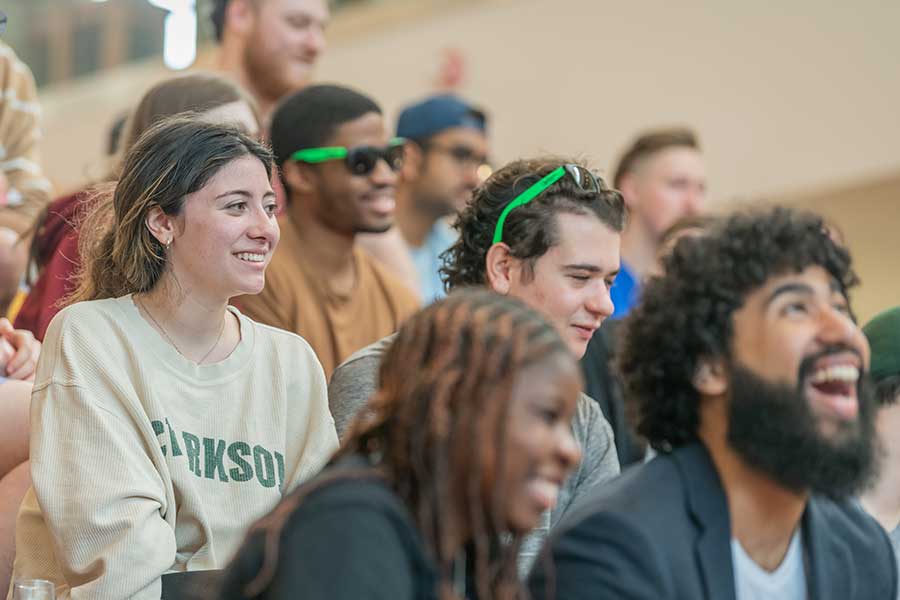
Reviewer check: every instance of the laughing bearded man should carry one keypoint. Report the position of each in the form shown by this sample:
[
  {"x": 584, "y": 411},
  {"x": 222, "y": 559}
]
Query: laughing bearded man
[{"x": 748, "y": 372}]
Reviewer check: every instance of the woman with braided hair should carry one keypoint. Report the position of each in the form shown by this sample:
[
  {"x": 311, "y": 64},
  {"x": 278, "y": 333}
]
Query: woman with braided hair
[{"x": 466, "y": 442}]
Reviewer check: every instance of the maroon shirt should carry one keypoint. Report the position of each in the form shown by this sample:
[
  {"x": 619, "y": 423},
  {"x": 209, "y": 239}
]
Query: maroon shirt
[{"x": 58, "y": 242}]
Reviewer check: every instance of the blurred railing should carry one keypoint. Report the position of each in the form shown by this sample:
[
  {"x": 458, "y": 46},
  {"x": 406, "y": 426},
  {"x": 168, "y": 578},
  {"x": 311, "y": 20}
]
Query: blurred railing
[{"x": 62, "y": 40}]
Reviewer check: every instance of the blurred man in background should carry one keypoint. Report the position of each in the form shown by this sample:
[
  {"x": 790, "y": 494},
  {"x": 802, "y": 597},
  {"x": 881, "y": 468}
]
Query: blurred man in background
[
  {"x": 270, "y": 46},
  {"x": 446, "y": 146},
  {"x": 663, "y": 179}
]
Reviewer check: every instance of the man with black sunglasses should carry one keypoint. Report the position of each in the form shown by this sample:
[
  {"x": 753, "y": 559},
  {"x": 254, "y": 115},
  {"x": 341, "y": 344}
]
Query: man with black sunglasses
[
  {"x": 446, "y": 159},
  {"x": 339, "y": 168}
]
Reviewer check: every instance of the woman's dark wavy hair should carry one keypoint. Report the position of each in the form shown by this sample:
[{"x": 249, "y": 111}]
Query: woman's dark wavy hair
[
  {"x": 174, "y": 158},
  {"x": 530, "y": 230},
  {"x": 430, "y": 434},
  {"x": 685, "y": 315},
  {"x": 193, "y": 93}
]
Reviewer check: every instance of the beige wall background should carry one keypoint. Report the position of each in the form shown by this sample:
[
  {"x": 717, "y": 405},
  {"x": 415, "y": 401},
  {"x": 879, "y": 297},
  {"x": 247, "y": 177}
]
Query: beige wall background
[
  {"x": 868, "y": 215},
  {"x": 794, "y": 101}
]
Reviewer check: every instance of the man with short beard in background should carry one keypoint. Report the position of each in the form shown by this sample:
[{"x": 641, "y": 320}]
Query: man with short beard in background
[
  {"x": 749, "y": 376},
  {"x": 447, "y": 146},
  {"x": 270, "y": 46}
]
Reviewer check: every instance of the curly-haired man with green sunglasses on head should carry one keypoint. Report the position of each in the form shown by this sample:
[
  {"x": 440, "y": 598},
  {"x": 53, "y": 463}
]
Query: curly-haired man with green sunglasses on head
[
  {"x": 545, "y": 231},
  {"x": 339, "y": 168}
]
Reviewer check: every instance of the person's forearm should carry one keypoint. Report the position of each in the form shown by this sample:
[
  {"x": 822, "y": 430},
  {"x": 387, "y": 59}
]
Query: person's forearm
[{"x": 15, "y": 400}]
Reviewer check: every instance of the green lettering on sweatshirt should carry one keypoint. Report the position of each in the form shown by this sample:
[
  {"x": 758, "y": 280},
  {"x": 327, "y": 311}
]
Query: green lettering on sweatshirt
[
  {"x": 213, "y": 456},
  {"x": 243, "y": 471},
  {"x": 159, "y": 429},
  {"x": 176, "y": 451},
  {"x": 216, "y": 459},
  {"x": 192, "y": 445},
  {"x": 265, "y": 466},
  {"x": 279, "y": 458}
]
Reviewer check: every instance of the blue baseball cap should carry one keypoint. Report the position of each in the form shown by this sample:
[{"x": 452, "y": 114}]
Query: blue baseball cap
[{"x": 437, "y": 113}]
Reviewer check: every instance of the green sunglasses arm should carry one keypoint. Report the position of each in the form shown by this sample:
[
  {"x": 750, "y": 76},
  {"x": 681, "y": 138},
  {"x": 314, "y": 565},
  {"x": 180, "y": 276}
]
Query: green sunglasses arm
[
  {"x": 526, "y": 197},
  {"x": 317, "y": 155},
  {"x": 326, "y": 153}
]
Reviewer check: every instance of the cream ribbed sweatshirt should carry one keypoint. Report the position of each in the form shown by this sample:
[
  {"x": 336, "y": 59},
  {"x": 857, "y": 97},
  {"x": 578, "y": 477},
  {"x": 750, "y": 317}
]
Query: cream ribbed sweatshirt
[{"x": 144, "y": 462}]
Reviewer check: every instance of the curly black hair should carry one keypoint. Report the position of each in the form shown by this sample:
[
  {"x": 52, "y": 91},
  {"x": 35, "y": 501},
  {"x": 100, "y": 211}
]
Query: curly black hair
[
  {"x": 428, "y": 437},
  {"x": 530, "y": 230},
  {"x": 685, "y": 315}
]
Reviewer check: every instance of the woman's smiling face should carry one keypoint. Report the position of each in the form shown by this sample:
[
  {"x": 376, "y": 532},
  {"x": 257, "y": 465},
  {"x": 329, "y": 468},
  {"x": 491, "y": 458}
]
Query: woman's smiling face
[{"x": 226, "y": 233}]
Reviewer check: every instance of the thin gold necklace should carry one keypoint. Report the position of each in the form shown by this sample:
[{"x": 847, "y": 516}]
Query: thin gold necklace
[{"x": 171, "y": 341}]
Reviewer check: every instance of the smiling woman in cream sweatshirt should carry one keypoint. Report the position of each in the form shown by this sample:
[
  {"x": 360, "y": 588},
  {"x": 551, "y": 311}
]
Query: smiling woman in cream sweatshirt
[{"x": 164, "y": 421}]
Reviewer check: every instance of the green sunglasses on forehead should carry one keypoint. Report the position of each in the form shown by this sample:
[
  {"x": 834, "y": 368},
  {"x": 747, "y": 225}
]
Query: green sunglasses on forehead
[
  {"x": 583, "y": 178},
  {"x": 360, "y": 160}
]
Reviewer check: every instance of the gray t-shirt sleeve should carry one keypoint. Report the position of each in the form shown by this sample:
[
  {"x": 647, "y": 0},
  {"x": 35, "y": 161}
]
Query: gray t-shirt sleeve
[
  {"x": 351, "y": 386},
  {"x": 532, "y": 544},
  {"x": 599, "y": 463},
  {"x": 354, "y": 382}
]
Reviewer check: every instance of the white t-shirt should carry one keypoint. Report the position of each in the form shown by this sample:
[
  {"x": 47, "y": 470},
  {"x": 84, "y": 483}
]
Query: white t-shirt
[{"x": 787, "y": 582}]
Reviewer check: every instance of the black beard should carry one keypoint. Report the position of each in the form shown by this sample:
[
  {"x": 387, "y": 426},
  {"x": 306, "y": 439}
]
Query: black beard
[{"x": 773, "y": 428}]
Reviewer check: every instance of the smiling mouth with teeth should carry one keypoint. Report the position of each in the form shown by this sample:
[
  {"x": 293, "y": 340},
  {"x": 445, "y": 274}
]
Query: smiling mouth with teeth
[
  {"x": 834, "y": 390},
  {"x": 835, "y": 380},
  {"x": 252, "y": 257}
]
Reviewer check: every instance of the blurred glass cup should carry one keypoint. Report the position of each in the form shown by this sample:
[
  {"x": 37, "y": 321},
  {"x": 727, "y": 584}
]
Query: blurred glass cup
[{"x": 34, "y": 589}]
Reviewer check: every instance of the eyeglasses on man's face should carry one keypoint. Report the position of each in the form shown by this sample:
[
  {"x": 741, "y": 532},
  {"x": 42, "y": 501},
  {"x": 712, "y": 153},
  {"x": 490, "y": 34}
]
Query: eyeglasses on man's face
[{"x": 464, "y": 156}]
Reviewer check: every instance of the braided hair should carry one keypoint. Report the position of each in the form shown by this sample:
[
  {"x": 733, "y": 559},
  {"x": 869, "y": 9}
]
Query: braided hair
[{"x": 430, "y": 434}]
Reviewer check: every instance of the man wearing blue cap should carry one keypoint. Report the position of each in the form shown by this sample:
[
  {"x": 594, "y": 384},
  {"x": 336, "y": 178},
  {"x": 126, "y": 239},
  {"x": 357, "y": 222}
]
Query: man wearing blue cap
[{"x": 447, "y": 145}]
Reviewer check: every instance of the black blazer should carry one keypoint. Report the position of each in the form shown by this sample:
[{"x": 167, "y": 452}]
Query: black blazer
[
  {"x": 602, "y": 385},
  {"x": 662, "y": 531}
]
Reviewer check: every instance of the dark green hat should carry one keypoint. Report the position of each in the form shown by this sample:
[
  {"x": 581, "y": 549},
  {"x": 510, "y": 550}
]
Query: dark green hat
[{"x": 883, "y": 332}]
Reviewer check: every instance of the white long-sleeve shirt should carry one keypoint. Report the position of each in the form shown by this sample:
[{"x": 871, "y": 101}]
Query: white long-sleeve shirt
[{"x": 145, "y": 463}]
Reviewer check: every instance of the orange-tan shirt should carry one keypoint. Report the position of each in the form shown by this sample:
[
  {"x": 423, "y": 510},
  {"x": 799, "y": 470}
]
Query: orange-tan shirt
[{"x": 298, "y": 298}]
